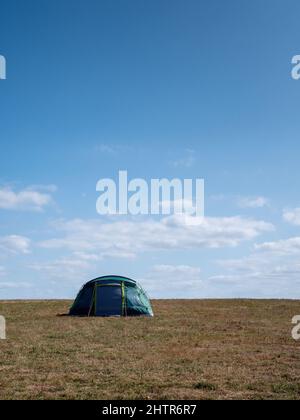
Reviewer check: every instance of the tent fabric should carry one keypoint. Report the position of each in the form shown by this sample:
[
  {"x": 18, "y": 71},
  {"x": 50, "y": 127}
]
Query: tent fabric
[{"x": 111, "y": 296}]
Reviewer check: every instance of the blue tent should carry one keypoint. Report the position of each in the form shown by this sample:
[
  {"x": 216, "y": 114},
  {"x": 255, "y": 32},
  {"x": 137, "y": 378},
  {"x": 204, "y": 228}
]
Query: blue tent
[{"x": 111, "y": 296}]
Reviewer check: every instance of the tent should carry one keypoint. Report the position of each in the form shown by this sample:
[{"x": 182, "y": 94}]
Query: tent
[{"x": 111, "y": 296}]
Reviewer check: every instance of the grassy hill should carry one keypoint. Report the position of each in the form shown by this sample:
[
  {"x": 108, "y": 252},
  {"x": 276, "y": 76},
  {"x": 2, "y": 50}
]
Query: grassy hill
[{"x": 195, "y": 349}]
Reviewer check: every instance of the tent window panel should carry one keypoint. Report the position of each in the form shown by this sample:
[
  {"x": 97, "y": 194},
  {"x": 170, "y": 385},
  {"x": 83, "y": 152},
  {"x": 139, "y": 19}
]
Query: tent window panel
[
  {"x": 133, "y": 298},
  {"x": 108, "y": 301}
]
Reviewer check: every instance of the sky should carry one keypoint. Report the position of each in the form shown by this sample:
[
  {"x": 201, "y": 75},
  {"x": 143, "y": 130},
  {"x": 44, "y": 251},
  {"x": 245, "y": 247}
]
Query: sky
[{"x": 162, "y": 89}]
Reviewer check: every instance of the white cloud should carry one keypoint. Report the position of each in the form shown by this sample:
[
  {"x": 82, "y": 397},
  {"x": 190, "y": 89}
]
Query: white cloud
[
  {"x": 51, "y": 188},
  {"x": 178, "y": 206},
  {"x": 88, "y": 243},
  {"x": 180, "y": 281},
  {"x": 112, "y": 149},
  {"x": 217, "y": 197},
  {"x": 106, "y": 149},
  {"x": 271, "y": 271},
  {"x": 283, "y": 246},
  {"x": 63, "y": 267},
  {"x": 14, "y": 244},
  {"x": 84, "y": 256},
  {"x": 182, "y": 270},
  {"x": 186, "y": 161},
  {"x": 129, "y": 238},
  {"x": 279, "y": 260},
  {"x": 252, "y": 202},
  {"x": 241, "y": 265},
  {"x": 267, "y": 278},
  {"x": 27, "y": 199},
  {"x": 14, "y": 285},
  {"x": 292, "y": 216}
]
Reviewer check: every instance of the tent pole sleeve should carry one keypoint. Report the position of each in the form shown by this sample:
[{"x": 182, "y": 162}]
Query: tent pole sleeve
[
  {"x": 123, "y": 300},
  {"x": 93, "y": 300}
]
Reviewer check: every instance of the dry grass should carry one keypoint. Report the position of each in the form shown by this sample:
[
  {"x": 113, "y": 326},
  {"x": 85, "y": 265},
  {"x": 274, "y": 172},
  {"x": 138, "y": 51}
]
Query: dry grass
[{"x": 216, "y": 349}]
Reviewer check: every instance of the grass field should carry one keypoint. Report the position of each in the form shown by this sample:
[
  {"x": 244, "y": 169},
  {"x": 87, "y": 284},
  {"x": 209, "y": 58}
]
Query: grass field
[{"x": 196, "y": 349}]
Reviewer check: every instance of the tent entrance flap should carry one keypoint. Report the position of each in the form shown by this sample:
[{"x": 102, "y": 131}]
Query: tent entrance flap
[{"x": 108, "y": 300}]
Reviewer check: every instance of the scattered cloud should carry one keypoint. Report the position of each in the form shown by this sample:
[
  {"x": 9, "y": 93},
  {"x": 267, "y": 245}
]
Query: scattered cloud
[
  {"x": 14, "y": 285},
  {"x": 241, "y": 265},
  {"x": 186, "y": 161},
  {"x": 87, "y": 243},
  {"x": 63, "y": 268},
  {"x": 282, "y": 247},
  {"x": 292, "y": 216},
  {"x": 14, "y": 244},
  {"x": 182, "y": 270},
  {"x": 129, "y": 238},
  {"x": 33, "y": 199},
  {"x": 217, "y": 197},
  {"x": 181, "y": 281},
  {"x": 252, "y": 202},
  {"x": 261, "y": 277},
  {"x": 272, "y": 270},
  {"x": 51, "y": 188},
  {"x": 112, "y": 149},
  {"x": 178, "y": 206},
  {"x": 106, "y": 149}
]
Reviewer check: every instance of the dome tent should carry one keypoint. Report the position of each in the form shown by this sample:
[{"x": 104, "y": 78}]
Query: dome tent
[{"x": 111, "y": 296}]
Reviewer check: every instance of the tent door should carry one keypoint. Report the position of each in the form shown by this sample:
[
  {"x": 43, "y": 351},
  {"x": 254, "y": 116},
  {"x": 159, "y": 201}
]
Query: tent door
[{"x": 108, "y": 300}]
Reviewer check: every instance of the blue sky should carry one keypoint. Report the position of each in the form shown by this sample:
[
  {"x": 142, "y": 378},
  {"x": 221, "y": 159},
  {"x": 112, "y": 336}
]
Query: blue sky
[{"x": 188, "y": 89}]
